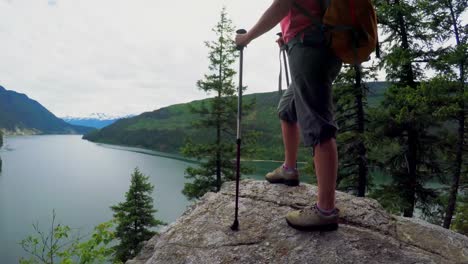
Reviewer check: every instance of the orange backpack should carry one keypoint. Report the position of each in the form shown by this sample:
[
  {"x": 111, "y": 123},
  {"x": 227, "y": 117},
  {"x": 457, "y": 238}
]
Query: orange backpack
[{"x": 351, "y": 25}]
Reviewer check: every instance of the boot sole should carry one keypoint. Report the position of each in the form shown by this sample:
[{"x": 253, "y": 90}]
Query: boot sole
[
  {"x": 286, "y": 182},
  {"x": 327, "y": 227}
]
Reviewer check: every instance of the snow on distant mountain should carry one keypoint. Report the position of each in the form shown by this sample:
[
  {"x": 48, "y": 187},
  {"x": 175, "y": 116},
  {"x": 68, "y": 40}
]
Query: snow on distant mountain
[
  {"x": 97, "y": 116},
  {"x": 96, "y": 120}
]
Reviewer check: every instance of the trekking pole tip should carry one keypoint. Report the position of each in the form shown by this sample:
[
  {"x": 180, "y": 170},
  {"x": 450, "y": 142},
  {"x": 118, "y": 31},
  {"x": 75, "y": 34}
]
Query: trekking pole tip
[{"x": 235, "y": 225}]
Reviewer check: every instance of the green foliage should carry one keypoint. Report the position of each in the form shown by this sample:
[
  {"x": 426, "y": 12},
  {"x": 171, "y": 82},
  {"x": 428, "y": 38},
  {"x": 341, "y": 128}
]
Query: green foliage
[
  {"x": 408, "y": 39},
  {"x": 452, "y": 62},
  {"x": 61, "y": 245},
  {"x": 433, "y": 210},
  {"x": 409, "y": 127},
  {"x": 460, "y": 223},
  {"x": 406, "y": 144},
  {"x": 134, "y": 217},
  {"x": 389, "y": 197},
  {"x": 89, "y": 251}
]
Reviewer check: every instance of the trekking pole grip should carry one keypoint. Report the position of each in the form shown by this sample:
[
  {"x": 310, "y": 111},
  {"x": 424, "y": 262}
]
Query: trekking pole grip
[
  {"x": 241, "y": 31},
  {"x": 280, "y": 41}
]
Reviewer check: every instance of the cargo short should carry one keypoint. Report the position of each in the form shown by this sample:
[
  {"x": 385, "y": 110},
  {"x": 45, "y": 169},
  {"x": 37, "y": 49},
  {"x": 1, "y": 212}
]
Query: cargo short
[{"x": 308, "y": 100}]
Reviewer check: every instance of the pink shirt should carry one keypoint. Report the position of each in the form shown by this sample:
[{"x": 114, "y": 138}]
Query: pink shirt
[{"x": 295, "y": 21}]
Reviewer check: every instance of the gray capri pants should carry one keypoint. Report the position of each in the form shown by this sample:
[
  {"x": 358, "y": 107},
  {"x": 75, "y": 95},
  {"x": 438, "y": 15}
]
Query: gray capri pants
[{"x": 308, "y": 100}]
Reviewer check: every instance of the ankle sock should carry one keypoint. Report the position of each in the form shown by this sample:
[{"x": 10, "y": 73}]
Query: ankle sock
[
  {"x": 325, "y": 212},
  {"x": 289, "y": 169}
]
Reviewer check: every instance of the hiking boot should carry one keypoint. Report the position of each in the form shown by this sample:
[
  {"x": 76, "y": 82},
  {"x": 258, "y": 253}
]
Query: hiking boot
[
  {"x": 281, "y": 175},
  {"x": 311, "y": 219}
]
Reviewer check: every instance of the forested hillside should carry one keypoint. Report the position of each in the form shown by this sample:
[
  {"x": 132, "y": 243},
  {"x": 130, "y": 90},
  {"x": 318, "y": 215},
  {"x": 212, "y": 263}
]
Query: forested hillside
[{"x": 167, "y": 128}]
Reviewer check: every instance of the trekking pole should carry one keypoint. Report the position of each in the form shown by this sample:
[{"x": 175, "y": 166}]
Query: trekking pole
[{"x": 235, "y": 225}]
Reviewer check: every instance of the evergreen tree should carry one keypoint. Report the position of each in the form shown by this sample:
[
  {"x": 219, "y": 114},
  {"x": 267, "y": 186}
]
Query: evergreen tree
[
  {"x": 134, "y": 217},
  {"x": 460, "y": 223},
  {"x": 405, "y": 121},
  {"x": 351, "y": 108},
  {"x": 218, "y": 117},
  {"x": 449, "y": 60},
  {"x": 407, "y": 146},
  {"x": 451, "y": 63},
  {"x": 408, "y": 41}
]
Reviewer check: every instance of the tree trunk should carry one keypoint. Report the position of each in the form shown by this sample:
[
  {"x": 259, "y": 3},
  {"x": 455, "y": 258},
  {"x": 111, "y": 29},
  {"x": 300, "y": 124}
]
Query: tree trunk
[
  {"x": 457, "y": 172},
  {"x": 410, "y": 191},
  {"x": 362, "y": 163},
  {"x": 218, "y": 121},
  {"x": 407, "y": 77},
  {"x": 363, "y": 170},
  {"x": 218, "y": 146},
  {"x": 461, "y": 133},
  {"x": 218, "y": 157}
]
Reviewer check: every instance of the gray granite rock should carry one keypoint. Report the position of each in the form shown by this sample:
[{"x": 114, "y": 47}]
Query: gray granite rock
[{"x": 367, "y": 233}]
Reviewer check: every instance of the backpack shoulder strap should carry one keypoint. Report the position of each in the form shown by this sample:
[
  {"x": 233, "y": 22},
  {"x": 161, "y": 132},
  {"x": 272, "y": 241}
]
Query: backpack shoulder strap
[{"x": 317, "y": 21}]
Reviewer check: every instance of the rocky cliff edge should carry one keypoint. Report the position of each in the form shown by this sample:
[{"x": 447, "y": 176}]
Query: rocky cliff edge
[{"x": 367, "y": 233}]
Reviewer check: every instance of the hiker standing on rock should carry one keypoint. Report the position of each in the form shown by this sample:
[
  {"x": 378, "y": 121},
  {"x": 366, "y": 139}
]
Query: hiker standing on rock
[{"x": 306, "y": 105}]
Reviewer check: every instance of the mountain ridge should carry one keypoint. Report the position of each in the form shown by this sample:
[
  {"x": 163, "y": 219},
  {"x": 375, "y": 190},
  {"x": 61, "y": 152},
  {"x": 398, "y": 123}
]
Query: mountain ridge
[{"x": 21, "y": 115}]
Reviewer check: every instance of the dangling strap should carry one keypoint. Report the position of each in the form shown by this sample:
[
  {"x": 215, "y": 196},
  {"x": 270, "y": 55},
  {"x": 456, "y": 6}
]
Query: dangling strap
[
  {"x": 280, "y": 79},
  {"x": 352, "y": 10}
]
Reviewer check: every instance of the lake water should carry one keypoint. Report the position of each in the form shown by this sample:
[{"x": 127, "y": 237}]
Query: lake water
[{"x": 80, "y": 180}]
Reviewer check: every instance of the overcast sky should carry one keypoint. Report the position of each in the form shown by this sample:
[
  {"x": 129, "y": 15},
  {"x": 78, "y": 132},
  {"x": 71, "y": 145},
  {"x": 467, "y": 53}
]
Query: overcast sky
[{"x": 120, "y": 57}]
